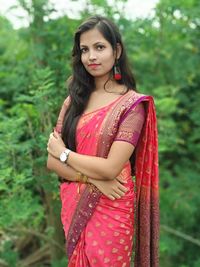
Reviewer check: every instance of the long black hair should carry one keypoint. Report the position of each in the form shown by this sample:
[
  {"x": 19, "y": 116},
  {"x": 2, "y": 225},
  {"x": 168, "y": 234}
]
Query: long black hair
[{"x": 81, "y": 83}]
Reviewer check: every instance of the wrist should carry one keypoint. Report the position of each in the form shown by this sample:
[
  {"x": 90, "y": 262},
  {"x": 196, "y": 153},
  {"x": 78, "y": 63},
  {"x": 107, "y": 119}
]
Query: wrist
[
  {"x": 81, "y": 178},
  {"x": 65, "y": 155},
  {"x": 70, "y": 158}
]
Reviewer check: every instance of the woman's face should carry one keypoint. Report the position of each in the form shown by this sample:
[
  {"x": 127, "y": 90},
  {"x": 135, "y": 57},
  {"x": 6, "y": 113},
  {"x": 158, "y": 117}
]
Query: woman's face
[{"x": 97, "y": 54}]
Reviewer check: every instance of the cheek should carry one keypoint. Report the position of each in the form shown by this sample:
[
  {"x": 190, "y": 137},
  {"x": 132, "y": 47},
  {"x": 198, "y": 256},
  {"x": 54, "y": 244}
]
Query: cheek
[
  {"x": 110, "y": 58},
  {"x": 110, "y": 61},
  {"x": 83, "y": 59}
]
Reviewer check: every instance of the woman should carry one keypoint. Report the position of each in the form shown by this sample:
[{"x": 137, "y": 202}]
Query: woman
[{"x": 106, "y": 133}]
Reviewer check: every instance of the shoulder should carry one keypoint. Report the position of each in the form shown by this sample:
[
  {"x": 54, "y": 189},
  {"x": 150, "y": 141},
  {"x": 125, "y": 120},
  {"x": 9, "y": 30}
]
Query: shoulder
[
  {"x": 136, "y": 101},
  {"x": 137, "y": 97},
  {"x": 135, "y": 94}
]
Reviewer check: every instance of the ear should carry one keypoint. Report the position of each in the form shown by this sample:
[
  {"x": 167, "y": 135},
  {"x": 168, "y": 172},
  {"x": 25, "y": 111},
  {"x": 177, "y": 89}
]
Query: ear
[{"x": 118, "y": 51}]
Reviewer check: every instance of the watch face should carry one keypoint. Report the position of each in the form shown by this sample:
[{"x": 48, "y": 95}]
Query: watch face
[{"x": 63, "y": 157}]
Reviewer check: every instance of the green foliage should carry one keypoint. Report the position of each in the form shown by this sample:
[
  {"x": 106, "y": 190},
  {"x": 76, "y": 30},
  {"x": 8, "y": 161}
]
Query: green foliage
[
  {"x": 8, "y": 255},
  {"x": 35, "y": 64},
  {"x": 60, "y": 263}
]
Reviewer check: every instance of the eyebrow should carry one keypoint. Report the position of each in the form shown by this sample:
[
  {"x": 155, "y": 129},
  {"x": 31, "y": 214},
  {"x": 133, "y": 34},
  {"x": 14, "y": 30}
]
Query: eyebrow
[{"x": 82, "y": 45}]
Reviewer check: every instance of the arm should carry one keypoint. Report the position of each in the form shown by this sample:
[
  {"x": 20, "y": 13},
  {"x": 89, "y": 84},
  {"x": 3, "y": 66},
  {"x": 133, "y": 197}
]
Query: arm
[
  {"x": 61, "y": 169},
  {"x": 121, "y": 149},
  {"x": 120, "y": 152},
  {"x": 112, "y": 189},
  {"x": 95, "y": 167},
  {"x": 103, "y": 168},
  {"x": 54, "y": 164}
]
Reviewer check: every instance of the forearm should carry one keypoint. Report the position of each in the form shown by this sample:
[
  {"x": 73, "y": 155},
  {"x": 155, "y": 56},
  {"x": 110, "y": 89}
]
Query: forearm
[
  {"x": 110, "y": 188},
  {"x": 61, "y": 169},
  {"x": 95, "y": 167},
  {"x": 92, "y": 166},
  {"x": 64, "y": 170}
]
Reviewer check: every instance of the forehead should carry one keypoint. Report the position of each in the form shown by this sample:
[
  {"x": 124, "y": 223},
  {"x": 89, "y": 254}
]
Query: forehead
[{"x": 91, "y": 37}]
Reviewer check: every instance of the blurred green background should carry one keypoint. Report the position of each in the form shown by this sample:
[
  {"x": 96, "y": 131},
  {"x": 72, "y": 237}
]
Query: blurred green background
[{"x": 34, "y": 66}]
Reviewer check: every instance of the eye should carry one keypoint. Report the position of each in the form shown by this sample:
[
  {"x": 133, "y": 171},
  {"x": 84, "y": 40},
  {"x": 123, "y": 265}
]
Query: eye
[
  {"x": 100, "y": 47},
  {"x": 83, "y": 50}
]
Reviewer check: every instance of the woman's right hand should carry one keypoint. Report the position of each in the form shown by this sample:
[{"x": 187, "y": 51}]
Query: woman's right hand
[{"x": 111, "y": 188}]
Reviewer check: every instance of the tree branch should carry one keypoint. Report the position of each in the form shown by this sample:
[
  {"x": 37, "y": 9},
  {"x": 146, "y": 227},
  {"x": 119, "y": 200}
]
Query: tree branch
[{"x": 180, "y": 234}]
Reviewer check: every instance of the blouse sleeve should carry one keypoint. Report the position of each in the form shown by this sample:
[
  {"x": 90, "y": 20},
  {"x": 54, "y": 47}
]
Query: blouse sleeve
[
  {"x": 130, "y": 128},
  {"x": 62, "y": 114}
]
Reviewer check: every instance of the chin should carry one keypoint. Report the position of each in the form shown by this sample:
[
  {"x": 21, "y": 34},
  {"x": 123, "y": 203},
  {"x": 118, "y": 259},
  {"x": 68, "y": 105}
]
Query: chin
[{"x": 99, "y": 74}]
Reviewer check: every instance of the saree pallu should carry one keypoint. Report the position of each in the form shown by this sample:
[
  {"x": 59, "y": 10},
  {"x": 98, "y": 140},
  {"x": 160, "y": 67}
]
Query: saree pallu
[{"x": 99, "y": 231}]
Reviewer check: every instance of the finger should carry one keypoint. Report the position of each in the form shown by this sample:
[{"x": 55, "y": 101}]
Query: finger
[
  {"x": 49, "y": 145},
  {"x": 56, "y": 133},
  {"x": 120, "y": 186},
  {"x": 51, "y": 135},
  {"x": 121, "y": 180},
  {"x": 120, "y": 192},
  {"x": 111, "y": 197},
  {"x": 116, "y": 195},
  {"x": 123, "y": 188},
  {"x": 49, "y": 150}
]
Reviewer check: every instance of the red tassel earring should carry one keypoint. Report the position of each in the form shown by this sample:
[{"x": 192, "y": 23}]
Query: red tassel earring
[{"x": 117, "y": 72}]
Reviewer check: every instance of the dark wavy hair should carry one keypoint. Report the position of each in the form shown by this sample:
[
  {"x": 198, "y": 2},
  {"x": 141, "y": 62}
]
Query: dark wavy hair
[{"x": 81, "y": 83}]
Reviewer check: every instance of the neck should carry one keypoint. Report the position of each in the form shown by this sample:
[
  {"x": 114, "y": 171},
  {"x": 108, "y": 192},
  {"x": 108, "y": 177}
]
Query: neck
[{"x": 100, "y": 83}]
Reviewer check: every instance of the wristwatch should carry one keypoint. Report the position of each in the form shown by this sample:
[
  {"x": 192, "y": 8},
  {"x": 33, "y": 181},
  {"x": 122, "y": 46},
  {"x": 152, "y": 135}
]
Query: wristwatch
[{"x": 64, "y": 155}]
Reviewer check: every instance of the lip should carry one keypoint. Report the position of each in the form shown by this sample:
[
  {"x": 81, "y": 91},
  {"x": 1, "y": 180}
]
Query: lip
[{"x": 93, "y": 65}]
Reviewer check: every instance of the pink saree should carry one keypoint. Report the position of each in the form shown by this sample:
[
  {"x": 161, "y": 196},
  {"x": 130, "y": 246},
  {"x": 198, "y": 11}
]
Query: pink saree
[{"x": 99, "y": 231}]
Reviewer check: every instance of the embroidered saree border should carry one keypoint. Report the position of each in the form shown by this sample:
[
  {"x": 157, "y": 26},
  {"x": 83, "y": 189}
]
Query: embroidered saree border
[
  {"x": 90, "y": 197},
  {"x": 147, "y": 195}
]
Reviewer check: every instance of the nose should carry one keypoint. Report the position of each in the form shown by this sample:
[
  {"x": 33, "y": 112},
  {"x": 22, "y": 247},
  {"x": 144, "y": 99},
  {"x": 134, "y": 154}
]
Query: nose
[{"x": 92, "y": 55}]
